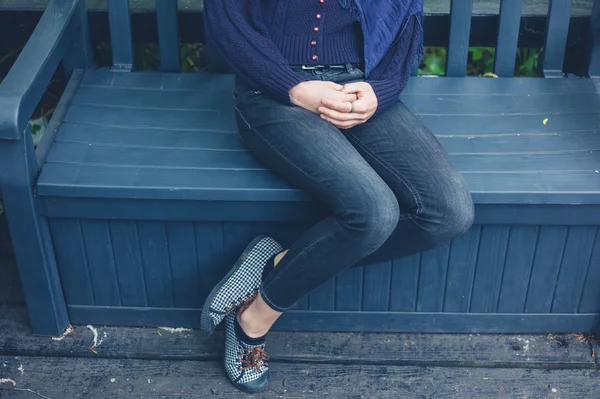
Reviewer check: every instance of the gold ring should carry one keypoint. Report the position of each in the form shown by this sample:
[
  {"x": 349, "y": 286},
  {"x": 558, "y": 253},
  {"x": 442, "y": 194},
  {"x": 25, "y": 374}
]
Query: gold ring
[{"x": 352, "y": 109}]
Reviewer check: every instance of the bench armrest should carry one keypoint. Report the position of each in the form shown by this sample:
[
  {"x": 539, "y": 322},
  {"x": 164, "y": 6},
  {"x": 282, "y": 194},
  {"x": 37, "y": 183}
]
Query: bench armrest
[{"x": 26, "y": 82}]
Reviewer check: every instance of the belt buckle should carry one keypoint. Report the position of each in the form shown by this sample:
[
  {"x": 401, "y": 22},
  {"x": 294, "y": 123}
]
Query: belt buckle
[{"x": 311, "y": 67}]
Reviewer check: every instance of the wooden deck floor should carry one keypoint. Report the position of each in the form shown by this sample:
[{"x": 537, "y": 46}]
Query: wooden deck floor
[{"x": 156, "y": 363}]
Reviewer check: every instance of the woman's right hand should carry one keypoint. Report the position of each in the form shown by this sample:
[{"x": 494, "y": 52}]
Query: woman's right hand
[{"x": 309, "y": 94}]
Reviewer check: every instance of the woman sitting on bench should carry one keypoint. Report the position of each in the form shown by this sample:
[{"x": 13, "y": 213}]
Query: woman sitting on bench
[{"x": 316, "y": 100}]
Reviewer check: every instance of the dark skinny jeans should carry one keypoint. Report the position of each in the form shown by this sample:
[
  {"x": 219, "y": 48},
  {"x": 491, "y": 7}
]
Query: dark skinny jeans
[{"x": 387, "y": 182}]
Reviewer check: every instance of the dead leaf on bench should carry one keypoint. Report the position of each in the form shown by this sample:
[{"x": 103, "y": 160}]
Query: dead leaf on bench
[{"x": 545, "y": 121}]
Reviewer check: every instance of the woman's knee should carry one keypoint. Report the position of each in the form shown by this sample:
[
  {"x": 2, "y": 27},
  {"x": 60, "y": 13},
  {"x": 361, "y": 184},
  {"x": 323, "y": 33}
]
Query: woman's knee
[
  {"x": 372, "y": 215},
  {"x": 451, "y": 216}
]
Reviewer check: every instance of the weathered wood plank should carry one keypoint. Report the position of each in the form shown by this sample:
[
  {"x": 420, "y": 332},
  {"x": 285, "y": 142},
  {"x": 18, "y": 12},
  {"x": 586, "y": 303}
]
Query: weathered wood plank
[
  {"x": 102, "y": 378},
  {"x": 471, "y": 350}
]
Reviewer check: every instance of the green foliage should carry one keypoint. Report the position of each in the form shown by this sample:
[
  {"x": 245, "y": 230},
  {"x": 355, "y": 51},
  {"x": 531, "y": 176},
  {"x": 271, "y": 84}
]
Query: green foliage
[{"x": 480, "y": 61}]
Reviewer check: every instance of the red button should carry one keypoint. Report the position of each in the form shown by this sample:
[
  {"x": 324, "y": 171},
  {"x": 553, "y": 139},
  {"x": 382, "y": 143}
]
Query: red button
[
  {"x": 316, "y": 29},
  {"x": 318, "y": 16},
  {"x": 313, "y": 43},
  {"x": 314, "y": 57}
]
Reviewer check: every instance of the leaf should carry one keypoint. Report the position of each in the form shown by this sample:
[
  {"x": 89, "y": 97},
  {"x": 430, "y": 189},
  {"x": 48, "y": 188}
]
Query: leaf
[{"x": 545, "y": 121}]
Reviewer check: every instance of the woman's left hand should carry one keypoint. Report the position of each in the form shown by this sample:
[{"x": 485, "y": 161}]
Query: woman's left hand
[{"x": 343, "y": 114}]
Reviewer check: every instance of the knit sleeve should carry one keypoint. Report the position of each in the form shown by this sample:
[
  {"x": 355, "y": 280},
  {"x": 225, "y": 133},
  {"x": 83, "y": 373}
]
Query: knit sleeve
[
  {"x": 391, "y": 75},
  {"x": 236, "y": 30}
]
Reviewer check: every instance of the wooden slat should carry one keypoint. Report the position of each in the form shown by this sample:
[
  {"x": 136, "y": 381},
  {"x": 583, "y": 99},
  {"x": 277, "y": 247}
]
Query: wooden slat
[
  {"x": 461, "y": 271},
  {"x": 130, "y": 182},
  {"x": 323, "y": 297},
  {"x": 94, "y": 102},
  {"x": 349, "y": 289},
  {"x": 70, "y": 251},
  {"x": 508, "y": 37},
  {"x": 590, "y": 298},
  {"x": 548, "y": 257},
  {"x": 210, "y": 251},
  {"x": 168, "y": 35},
  {"x": 184, "y": 268},
  {"x": 405, "y": 280},
  {"x": 11, "y": 293},
  {"x": 594, "y": 66},
  {"x": 128, "y": 262},
  {"x": 434, "y": 266},
  {"x": 573, "y": 270},
  {"x": 203, "y": 82},
  {"x": 460, "y": 30},
  {"x": 487, "y": 282},
  {"x": 474, "y": 350},
  {"x": 377, "y": 287},
  {"x": 557, "y": 30},
  {"x": 99, "y": 253},
  {"x": 156, "y": 262},
  {"x": 120, "y": 35},
  {"x": 67, "y": 378},
  {"x": 517, "y": 269}
]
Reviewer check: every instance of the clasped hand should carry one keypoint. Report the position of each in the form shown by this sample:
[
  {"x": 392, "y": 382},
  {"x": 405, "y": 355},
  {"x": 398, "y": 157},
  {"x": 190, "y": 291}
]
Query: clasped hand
[{"x": 335, "y": 102}]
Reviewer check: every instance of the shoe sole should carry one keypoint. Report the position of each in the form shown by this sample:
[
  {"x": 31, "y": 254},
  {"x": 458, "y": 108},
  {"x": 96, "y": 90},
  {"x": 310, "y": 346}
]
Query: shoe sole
[
  {"x": 206, "y": 322},
  {"x": 245, "y": 389}
]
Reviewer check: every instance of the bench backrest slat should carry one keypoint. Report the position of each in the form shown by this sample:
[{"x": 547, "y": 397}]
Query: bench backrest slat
[
  {"x": 559, "y": 15},
  {"x": 460, "y": 30},
  {"x": 508, "y": 37},
  {"x": 120, "y": 34},
  {"x": 168, "y": 35}
]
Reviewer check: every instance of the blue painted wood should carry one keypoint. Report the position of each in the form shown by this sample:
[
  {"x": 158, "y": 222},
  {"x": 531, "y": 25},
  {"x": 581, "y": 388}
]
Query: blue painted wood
[
  {"x": 184, "y": 265},
  {"x": 522, "y": 243},
  {"x": 168, "y": 35},
  {"x": 508, "y": 37},
  {"x": 461, "y": 271},
  {"x": 156, "y": 262},
  {"x": 548, "y": 257},
  {"x": 349, "y": 290},
  {"x": 27, "y": 80},
  {"x": 96, "y": 101},
  {"x": 128, "y": 263},
  {"x": 491, "y": 256},
  {"x": 460, "y": 30},
  {"x": 557, "y": 30},
  {"x": 323, "y": 297},
  {"x": 590, "y": 297},
  {"x": 269, "y": 211},
  {"x": 31, "y": 236},
  {"x": 81, "y": 53},
  {"x": 405, "y": 283},
  {"x": 574, "y": 269},
  {"x": 101, "y": 262},
  {"x": 210, "y": 251},
  {"x": 120, "y": 35},
  {"x": 77, "y": 180},
  {"x": 377, "y": 286},
  {"x": 72, "y": 261},
  {"x": 353, "y": 321},
  {"x": 594, "y": 66},
  {"x": 432, "y": 280}
]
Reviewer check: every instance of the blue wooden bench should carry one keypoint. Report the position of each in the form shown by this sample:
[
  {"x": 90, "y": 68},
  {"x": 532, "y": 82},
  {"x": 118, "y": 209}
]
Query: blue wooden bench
[{"x": 141, "y": 194}]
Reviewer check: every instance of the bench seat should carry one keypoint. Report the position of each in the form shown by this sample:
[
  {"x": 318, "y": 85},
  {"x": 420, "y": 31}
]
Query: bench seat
[
  {"x": 150, "y": 196},
  {"x": 156, "y": 136}
]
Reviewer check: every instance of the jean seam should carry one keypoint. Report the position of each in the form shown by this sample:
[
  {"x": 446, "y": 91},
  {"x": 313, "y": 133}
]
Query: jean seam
[
  {"x": 383, "y": 163},
  {"x": 269, "y": 302}
]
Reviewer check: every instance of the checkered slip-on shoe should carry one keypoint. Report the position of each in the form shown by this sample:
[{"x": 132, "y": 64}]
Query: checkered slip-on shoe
[
  {"x": 239, "y": 284},
  {"x": 246, "y": 365}
]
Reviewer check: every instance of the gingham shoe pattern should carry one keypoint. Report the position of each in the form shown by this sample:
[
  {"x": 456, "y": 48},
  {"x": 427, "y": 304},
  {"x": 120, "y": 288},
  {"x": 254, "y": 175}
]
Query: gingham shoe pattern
[
  {"x": 245, "y": 364},
  {"x": 241, "y": 282}
]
